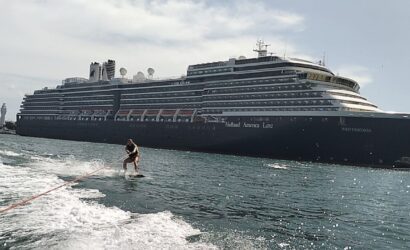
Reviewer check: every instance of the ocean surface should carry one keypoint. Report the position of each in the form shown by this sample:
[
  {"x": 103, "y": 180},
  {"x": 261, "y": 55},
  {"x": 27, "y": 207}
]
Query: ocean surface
[{"x": 192, "y": 200}]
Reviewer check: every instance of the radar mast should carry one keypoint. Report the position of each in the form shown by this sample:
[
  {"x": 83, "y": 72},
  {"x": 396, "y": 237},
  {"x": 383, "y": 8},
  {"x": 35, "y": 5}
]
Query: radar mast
[{"x": 261, "y": 48}]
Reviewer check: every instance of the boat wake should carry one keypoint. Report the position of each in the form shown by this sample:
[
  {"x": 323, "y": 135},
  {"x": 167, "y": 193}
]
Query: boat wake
[
  {"x": 70, "y": 166},
  {"x": 71, "y": 218}
]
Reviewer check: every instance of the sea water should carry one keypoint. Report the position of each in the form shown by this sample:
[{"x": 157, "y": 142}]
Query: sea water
[{"x": 190, "y": 200}]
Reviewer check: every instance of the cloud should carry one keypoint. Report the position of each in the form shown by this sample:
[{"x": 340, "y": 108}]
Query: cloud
[
  {"x": 15, "y": 86},
  {"x": 163, "y": 22},
  {"x": 45, "y": 39},
  {"x": 360, "y": 74}
]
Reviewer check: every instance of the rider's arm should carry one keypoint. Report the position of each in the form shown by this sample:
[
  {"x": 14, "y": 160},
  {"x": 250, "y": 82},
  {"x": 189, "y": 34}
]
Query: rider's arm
[{"x": 135, "y": 149}]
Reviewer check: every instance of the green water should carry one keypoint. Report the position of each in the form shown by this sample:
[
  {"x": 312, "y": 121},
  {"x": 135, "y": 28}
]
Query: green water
[{"x": 195, "y": 201}]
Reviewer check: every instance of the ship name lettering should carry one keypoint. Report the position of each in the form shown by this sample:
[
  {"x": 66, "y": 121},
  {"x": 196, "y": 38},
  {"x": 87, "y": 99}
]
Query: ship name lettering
[
  {"x": 267, "y": 125},
  {"x": 250, "y": 125},
  {"x": 233, "y": 124},
  {"x": 357, "y": 130}
]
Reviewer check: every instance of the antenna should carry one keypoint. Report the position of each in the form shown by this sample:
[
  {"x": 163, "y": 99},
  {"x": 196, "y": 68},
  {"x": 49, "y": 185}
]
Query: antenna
[
  {"x": 261, "y": 48},
  {"x": 324, "y": 59}
]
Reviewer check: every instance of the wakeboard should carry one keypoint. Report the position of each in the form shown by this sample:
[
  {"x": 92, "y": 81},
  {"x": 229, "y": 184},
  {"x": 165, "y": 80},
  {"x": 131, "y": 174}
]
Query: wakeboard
[
  {"x": 133, "y": 175},
  {"x": 137, "y": 176}
]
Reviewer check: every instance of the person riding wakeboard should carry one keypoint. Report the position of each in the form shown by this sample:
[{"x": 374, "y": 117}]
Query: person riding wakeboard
[{"x": 133, "y": 155}]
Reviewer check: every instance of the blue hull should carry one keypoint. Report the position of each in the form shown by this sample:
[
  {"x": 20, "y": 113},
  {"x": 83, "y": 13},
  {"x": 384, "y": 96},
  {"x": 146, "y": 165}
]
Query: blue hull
[{"x": 380, "y": 142}]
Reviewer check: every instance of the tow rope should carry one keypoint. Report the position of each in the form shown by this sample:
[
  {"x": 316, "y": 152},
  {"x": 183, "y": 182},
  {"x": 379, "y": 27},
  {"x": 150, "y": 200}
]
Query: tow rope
[{"x": 25, "y": 201}]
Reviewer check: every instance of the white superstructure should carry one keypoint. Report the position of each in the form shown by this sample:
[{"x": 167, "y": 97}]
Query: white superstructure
[{"x": 267, "y": 85}]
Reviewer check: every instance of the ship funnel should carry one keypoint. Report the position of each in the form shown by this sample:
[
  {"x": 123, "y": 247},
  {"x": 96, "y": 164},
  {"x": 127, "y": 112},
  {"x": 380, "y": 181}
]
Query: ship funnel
[
  {"x": 95, "y": 72},
  {"x": 108, "y": 70}
]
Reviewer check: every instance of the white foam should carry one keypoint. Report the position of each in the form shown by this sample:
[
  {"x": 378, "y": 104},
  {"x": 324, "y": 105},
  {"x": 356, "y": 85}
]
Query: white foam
[
  {"x": 277, "y": 166},
  {"x": 9, "y": 153},
  {"x": 283, "y": 245},
  {"x": 70, "y": 166},
  {"x": 62, "y": 220}
]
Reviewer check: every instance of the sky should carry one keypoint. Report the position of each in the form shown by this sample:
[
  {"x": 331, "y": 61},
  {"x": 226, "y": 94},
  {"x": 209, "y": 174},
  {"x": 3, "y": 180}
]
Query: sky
[{"x": 44, "y": 41}]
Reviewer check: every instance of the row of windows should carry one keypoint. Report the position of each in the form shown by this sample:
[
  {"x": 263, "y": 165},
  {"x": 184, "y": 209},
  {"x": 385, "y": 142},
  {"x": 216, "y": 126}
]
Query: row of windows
[
  {"x": 208, "y": 65},
  {"x": 60, "y": 117},
  {"x": 325, "y": 78},
  {"x": 219, "y": 111},
  {"x": 49, "y": 96},
  {"x": 358, "y": 103},
  {"x": 39, "y": 111},
  {"x": 42, "y": 98},
  {"x": 76, "y": 98},
  {"x": 33, "y": 98},
  {"x": 28, "y": 108},
  {"x": 284, "y": 64},
  {"x": 93, "y": 107},
  {"x": 158, "y": 106},
  {"x": 215, "y": 97},
  {"x": 228, "y": 76},
  {"x": 85, "y": 94},
  {"x": 82, "y": 84},
  {"x": 344, "y": 82},
  {"x": 67, "y": 112},
  {"x": 81, "y": 88},
  {"x": 258, "y": 89},
  {"x": 87, "y": 102},
  {"x": 80, "y": 119},
  {"x": 38, "y": 104},
  {"x": 34, "y": 106},
  {"x": 347, "y": 95},
  {"x": 45, "y": 91},
  {"x": 92, "y": 102},
  {"x": 41, "y": 117},
  {"x": 153, "y": 119},
  {"x": 161, "y": 101},
  {"x": 209, "y": 71},
  {"x": 164, "y": 89},
  {"x": 163, "y": 94},
  {"x": 263, "y": 96},
  {"x": 70, "y": 112},
  {"x": 256, "y": 60},
  {"x": 354, "y": 109},
  {"x": 254, "y": 82},
  {"x": 318, "y": 102},
  {"x": 85, "y": 112}
]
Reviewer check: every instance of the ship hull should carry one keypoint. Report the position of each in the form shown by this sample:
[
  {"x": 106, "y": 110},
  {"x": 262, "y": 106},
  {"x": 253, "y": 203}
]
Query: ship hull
[{"x": 376, "y": 142}]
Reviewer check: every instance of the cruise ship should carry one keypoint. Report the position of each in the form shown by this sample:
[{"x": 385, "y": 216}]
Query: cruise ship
[{"x": 267, "y": 106}]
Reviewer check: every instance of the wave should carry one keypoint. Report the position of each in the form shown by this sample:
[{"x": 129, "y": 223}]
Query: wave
[
  {"x": 64, "y": 220},
  {"x": 9, "y": 153},
  {"x": 277, "y": 166}
]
